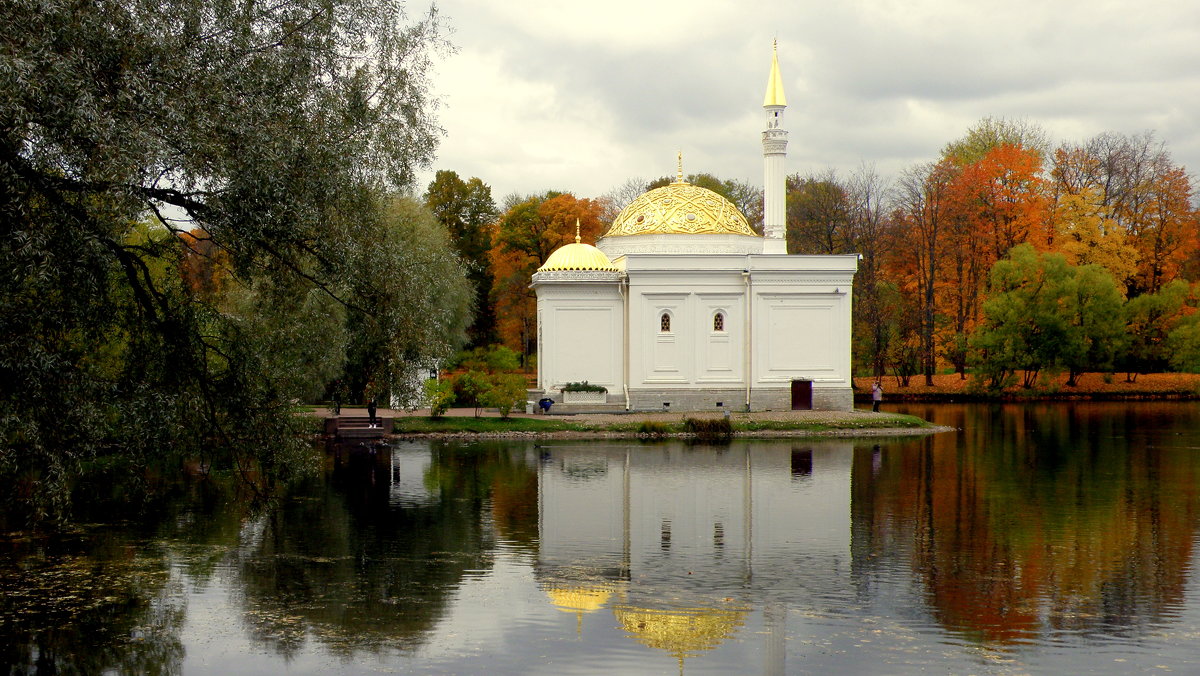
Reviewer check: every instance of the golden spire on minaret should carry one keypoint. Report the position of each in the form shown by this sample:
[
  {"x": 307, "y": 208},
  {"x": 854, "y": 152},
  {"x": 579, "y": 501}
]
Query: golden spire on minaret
[{"x": 774, "y": 96}]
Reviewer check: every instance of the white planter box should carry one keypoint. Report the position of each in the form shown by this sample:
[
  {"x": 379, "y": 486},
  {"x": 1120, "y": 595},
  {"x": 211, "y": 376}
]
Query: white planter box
[{"x": 584, "y": 397}]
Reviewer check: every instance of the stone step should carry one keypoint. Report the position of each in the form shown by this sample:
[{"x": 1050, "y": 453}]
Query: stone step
[
  {"x": 357, "y": 427},
  {"x": 360, "y": 433}
]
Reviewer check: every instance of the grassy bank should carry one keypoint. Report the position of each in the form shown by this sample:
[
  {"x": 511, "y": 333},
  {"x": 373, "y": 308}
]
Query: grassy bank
[{"x": 654, "y": 425}]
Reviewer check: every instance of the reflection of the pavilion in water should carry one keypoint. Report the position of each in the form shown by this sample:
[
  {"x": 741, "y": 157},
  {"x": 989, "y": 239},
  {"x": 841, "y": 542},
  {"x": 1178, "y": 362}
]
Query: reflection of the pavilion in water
[
  {"x": 681, "y": 542},
  {"x": 680, "y": 545}
]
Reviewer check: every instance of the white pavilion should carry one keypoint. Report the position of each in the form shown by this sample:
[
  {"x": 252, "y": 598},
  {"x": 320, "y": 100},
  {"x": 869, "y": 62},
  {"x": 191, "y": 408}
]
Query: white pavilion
[{"x": 681, "y": 306}]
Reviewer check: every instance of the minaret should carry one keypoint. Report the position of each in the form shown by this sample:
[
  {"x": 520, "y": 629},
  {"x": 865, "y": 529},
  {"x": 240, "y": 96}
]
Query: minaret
[{"x": 774, "y": 140}]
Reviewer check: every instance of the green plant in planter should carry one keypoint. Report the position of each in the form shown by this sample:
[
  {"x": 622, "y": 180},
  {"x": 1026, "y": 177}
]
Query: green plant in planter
[{"x": 585, "y": 386}]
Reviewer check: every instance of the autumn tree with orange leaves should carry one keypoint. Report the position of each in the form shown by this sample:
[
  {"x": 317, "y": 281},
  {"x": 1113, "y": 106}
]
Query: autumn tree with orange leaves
[
  {"x": 528, "y": 231},
  {"x": 995, "y": 203},
  {"x": 205, "y": 266}
]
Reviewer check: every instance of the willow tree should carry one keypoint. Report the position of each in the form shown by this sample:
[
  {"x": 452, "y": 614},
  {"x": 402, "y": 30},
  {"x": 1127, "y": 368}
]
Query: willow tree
[{"x": 274, "y": 127}]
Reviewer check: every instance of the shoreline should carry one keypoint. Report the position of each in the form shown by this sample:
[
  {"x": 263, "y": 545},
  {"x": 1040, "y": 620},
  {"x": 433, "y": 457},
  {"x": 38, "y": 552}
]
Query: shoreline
[
  {"x": 600, "y": 435},
  {"x": 950, "y": 388},
  {"x": 464, "y": 424}
]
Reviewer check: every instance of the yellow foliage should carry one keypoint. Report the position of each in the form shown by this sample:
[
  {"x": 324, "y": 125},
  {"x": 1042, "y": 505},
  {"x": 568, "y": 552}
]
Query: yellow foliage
[{"x": 1085, "y": 233}]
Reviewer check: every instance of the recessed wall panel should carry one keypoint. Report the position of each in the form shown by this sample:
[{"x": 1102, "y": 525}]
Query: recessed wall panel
[
  {"x": 586, "y": 345},
  {"x": 800, "y": 337}
]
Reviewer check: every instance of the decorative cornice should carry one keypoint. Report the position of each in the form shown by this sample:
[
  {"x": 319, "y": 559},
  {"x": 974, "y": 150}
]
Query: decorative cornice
[
  {"x": 681, "y": 244},
  {"x": 576, "y": 276},
  {"x": 774, "y": 147}
]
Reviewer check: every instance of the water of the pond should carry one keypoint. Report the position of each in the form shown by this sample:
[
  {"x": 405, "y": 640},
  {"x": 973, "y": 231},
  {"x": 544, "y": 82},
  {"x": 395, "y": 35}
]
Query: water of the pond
[{"x": 1037, "y": 539}]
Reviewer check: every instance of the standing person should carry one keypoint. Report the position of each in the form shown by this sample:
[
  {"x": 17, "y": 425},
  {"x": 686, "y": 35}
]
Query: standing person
[
  {"x": 371, "y": 407},
  {"x": 876, "y": 396}
]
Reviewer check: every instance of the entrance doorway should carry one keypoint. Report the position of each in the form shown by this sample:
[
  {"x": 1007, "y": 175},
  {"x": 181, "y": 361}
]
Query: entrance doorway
[{"x": 801, "y": 395}]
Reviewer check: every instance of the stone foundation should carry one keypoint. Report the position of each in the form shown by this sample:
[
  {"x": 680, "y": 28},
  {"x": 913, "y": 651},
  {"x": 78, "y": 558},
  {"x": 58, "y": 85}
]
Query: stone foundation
[{"x": 761, "y": 399}]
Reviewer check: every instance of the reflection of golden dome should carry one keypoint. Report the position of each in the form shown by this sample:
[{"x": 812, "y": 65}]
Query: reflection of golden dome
[
  {"x": 578, "y": 599},
  {"x": 683, "y": 633},
  {"x": 680, "y": 209}
]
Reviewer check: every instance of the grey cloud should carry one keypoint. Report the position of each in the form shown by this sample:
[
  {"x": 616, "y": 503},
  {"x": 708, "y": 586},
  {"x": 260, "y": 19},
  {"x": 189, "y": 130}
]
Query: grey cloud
[{"x": 852, "y": 78}]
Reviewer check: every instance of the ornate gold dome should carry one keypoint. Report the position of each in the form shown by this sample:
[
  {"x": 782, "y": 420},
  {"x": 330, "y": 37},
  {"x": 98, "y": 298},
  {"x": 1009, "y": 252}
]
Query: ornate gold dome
[
  {"x": 680, "y": 209},
  {"x": 577, "y": 256}
]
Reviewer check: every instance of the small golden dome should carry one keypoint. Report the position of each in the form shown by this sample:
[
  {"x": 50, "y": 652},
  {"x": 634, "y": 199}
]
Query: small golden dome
[
  {"x": 577, "y": 256},
  {"x": 680, "y": 209}
]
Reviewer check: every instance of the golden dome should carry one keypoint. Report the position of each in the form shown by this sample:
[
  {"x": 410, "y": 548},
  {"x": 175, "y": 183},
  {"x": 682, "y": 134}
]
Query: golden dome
[
  {"x": 680, "y": 209},
  {"x": 577, "y": 256}
]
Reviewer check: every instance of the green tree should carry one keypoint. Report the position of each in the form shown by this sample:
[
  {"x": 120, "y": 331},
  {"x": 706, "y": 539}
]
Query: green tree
[
  {"x": 1184, "y": 344},
  {"x": 297, "y": 332},
  {"x": 1097, "y": 328},
  {"x": 274, "y": 127},
  {"x": 1149, "y": 320},
  {"x": 411, "y": 307},
  {"x": 1045, "y": 313},
  {"x": 990, "y": 133},
  {"x": 467, "y": 210}
]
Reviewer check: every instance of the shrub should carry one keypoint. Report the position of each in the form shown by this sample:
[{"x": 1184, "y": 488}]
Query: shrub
[
  {"x": 585, "y": 386},
  {"x": 709, "y": 429},
  {"x": 653, "y": 428},
  {"x": 505, "y": 391},
  {"x": 469, "y": 388},
  {"x": 438, "y": 394}
]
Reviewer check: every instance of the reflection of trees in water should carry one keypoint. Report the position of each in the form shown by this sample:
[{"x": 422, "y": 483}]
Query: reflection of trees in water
[
  {"x": 331, "y": 560},
  {"x": 1064, "y": 518},
  {"x": 340, "y": 562},
  {"x": 101, "y": 599},
  {"x": 81, "y": 609}
]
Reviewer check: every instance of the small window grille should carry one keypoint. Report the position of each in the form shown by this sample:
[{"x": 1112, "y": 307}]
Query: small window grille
[
  {"x": 719, "y": 322},
  {"x": 664, "y": 323}
]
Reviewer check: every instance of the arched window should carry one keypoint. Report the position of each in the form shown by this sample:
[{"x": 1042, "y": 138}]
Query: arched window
[
  {"x": 664, "y": 323},
  {"x": 719, "y": 322}
]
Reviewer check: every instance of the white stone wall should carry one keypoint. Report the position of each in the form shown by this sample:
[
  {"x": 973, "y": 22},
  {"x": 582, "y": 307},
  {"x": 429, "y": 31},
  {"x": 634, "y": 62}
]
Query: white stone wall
[
  {"x": 796, "y": 324},
  {"x": 580, "y": 333},
  {"x": 783, "y": 318}
]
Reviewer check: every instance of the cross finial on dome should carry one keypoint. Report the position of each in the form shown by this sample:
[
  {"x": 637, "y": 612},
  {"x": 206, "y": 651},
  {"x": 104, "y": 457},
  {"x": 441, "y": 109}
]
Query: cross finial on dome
[{"x": 577, "y": 231}]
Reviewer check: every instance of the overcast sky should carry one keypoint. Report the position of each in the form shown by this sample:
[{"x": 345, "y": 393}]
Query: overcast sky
[{"x": 579, "y": 97}]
